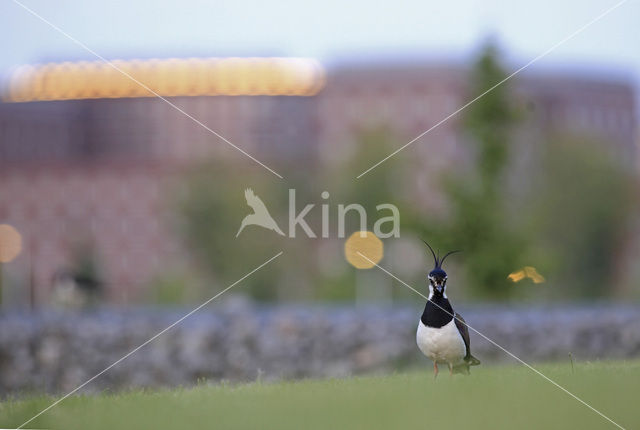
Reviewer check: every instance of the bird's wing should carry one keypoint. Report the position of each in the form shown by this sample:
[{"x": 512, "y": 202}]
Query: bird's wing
[
  {"x": 254, "y": 201},
  {"x": 464, "y": 332}
]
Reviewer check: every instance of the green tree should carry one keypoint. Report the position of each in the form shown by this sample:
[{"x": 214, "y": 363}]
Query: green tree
[{"x": 479, "y": 220}]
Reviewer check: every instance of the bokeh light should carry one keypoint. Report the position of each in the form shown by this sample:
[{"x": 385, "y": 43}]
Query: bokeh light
[
  {"x": 367, "y": 244},
  {"x": 168, "y": 77},
  {"x": 526, "y": 272},
  {"x": 10, "y": 243}
]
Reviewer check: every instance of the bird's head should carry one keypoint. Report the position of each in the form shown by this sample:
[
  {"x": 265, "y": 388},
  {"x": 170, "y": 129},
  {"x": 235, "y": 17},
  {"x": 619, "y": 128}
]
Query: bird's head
[
  {"x": 437, "y": 281},
  {"x": 438, "y": 277}
]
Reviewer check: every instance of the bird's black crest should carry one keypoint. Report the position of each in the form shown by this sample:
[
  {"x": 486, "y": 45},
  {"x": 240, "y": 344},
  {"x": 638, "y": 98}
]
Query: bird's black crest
[{"x": 436, "y": 259}]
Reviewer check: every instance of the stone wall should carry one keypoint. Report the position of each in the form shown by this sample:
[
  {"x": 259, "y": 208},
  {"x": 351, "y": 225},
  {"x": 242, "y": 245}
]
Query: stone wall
[{"x": 240, "y": 341}]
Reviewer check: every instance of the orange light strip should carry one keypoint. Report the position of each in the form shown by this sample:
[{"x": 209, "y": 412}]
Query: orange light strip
[{"x": 168, "y": 78}]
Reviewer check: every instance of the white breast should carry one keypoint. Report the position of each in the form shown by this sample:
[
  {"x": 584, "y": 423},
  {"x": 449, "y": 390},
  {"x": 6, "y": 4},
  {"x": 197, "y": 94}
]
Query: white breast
[{"x": 444, "y": 344}]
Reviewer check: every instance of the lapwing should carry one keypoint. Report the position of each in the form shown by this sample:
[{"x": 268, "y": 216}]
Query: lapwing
[{"x": 443, "y": 335}]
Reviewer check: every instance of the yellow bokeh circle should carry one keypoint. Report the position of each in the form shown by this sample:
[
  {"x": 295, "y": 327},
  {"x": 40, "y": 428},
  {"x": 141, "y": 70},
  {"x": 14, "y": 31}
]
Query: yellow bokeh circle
[{"x": 363, "y": 250}]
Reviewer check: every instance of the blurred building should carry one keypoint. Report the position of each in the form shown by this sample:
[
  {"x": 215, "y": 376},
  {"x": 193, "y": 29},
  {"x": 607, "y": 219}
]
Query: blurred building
[
  {"x": 410, "y": 99},
  {"x": 86, "y": 154}
]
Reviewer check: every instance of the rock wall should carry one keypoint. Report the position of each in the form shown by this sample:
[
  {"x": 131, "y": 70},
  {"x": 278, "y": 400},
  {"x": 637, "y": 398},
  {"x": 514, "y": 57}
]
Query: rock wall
[{"x": 240, "y": 341}]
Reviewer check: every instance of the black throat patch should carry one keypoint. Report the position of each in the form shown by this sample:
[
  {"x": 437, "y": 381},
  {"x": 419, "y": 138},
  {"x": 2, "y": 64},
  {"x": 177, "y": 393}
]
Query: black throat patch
[{"x": 437, "y": 312}]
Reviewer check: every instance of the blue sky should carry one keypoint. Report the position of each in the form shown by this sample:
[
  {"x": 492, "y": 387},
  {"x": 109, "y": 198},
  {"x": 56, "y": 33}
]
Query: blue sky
[{"x": 329, "y": 30}]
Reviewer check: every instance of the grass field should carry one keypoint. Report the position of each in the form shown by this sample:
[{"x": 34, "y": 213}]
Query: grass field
[{"x": 498, "y": 397}]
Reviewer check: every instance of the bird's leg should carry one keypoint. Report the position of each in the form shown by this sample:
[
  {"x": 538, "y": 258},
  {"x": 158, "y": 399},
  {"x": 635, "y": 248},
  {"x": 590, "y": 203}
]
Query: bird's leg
[
  {"x": 435, "y": 369},
  {"x": 450, "y": 369}
]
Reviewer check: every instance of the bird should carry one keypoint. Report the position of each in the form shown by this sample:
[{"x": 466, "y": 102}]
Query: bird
[
  {"x": 74, "y": 288},
  {"x": 443, "y": 335},
  {"x": 260, "y": 215}
]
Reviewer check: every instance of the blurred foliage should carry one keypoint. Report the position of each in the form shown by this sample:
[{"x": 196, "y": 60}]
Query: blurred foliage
[
  {"x": 566, "y": 214},
  {"x": 479, "y": 221},
  {"x": 168, "y": 290},
  {"x": 383, "y": 186},
  {"x": 569, "y": 216},
  {"x": 213, "y": 205},
  {"x": 583, "y": 207}
]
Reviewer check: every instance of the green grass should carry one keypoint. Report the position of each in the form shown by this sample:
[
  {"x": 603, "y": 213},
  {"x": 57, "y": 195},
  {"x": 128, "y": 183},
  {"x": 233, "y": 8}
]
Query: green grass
[{"x": 498, "y": 397}]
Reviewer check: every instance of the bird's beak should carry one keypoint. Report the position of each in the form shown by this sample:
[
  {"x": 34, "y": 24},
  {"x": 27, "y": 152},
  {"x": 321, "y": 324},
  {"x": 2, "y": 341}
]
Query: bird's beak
[{"x": 439, "y": 288}]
